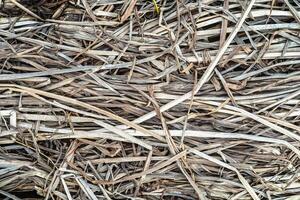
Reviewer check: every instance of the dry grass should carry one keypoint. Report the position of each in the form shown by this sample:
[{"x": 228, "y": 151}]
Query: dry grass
[{"x": 150, "y": 99}]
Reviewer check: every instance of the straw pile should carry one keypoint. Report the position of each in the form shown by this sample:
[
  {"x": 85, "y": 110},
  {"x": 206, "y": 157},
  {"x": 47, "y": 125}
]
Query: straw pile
[{"x": 107, "y": 99}]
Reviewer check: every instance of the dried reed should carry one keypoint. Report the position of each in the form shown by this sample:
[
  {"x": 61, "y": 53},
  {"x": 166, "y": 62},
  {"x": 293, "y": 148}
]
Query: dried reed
[{"x": 150, "y": 99}]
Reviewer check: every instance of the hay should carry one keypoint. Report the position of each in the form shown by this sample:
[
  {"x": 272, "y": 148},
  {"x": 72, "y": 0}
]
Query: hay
[{"x": 150, "y": 99}]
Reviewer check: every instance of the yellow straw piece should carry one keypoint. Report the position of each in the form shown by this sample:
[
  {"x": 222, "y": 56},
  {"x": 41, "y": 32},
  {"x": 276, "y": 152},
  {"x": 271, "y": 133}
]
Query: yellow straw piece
[{"x": 156, "y": 7}]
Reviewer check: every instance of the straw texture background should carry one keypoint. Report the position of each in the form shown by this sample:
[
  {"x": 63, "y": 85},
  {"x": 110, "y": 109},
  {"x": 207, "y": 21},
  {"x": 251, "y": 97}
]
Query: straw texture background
[{"x": 137, "y": 99}]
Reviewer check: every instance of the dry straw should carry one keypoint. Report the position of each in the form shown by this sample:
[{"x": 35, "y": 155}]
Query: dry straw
[{"x": 142, "y": 99}]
